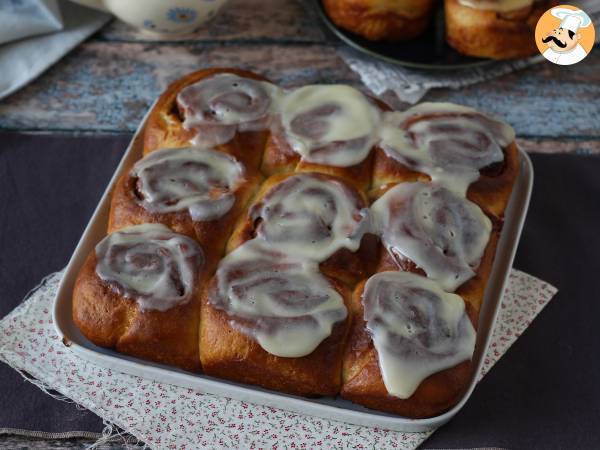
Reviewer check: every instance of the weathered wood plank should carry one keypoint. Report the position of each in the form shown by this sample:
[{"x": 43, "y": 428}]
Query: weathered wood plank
[
  {"x": 563, "y": 145},
  {"x": 543, "y": 100},
  {"x": 247, "y": 20},
  {"x": 107, "y": 86}
]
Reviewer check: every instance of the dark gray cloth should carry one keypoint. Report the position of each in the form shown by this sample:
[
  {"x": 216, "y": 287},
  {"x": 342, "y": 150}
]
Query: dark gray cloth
[
  {"x": 544, "y": 393},
  {"x": 49, "y": 187}
]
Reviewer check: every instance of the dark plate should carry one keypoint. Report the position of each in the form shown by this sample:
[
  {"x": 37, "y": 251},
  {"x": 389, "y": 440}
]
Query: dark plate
[{"x": 428, "y": 51}]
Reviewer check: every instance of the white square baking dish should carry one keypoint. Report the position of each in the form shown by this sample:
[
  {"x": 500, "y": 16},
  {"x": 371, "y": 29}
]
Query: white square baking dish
[{"x": 329, "y": 408}]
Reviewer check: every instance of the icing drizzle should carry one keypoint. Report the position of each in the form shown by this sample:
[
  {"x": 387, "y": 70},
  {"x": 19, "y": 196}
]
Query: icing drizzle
[
  {"x": 417, "y": 329},
  {"x": 219, "y": 106},
  {"x": 337, "y": 125},
  {"x": 443, "y": 233},
  {"x": 311, "y": 216},
  {"x": 448, "y": 142},
  {"x": 330, "y": 124},
  {"x": 150, "y": 264},
  {"x": 199, "y": 180},
  {"x": 283, "y": 302}
]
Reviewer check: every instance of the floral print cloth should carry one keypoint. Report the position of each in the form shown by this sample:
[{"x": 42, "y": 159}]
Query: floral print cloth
[{"x": 171, "y": 417}]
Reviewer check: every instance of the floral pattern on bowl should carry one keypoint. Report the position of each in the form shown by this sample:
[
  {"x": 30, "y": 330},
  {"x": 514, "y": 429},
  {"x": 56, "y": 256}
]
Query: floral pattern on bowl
[
  {"x": 182, "y": 15},
  {"x": 168, "y": 17}
]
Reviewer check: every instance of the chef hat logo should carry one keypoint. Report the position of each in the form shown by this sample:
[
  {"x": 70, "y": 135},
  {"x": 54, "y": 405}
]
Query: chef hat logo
[
  {"x": 565, "y": 35},
  {"x": 571, "y": 20}
]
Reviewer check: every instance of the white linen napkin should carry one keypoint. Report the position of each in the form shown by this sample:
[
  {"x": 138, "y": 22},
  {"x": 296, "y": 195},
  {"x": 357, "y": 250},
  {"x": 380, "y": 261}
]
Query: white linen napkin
[
  {"x": 22, "y": 18},
  {"x": 23, "y": 60},
  {"x": 167, "y": 416}
]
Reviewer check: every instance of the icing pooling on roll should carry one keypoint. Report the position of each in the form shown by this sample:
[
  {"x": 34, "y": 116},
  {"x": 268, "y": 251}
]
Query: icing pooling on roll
[
  {"x": 199, "y": 180},
  {"x": 327, "y": 124},
  {"x": 283, "y": 302},
  {"x": 448, "y": 142},
  {"x": 311, "y": 216},
  {"x": 417, "y": 329},
  {"x": 442, "y": 233},
  {"x": 497, "y": 5},
  {"x": 150, "y": 264},
  {"x": 337, "y": 125},
  {"x": 330, "y": 124},
  {"x": 220, "y": 105}
]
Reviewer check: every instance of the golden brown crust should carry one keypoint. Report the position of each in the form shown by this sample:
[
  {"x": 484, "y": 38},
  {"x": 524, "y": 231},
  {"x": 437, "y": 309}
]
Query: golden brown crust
[
  {"x": 490, "y": 34},
  {"x": 363, "y": 382},
  {"x": 110, "y": 320},
  {"x": 230, "y": 354},
  {"x": 164, "y": 128},
  {"x": 381, "y": 20}
]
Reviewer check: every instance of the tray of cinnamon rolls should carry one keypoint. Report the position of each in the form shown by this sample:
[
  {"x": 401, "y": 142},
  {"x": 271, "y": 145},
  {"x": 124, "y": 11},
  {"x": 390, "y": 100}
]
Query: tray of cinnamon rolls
[
  {"x": 432, "y": 34},
  {"x": 307, "y": 248}
]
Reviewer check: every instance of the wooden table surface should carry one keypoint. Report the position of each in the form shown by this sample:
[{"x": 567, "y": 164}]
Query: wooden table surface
[{"x": 107, "y": 83}]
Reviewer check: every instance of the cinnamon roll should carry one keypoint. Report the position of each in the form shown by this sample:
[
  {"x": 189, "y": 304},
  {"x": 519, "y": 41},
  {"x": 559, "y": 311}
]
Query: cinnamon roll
[
  {"x": 194, "y": 191},
  {"x": 410, "y": 346},
  {"x": 271, "y": 319},
  {"x": 312, "y": 216},
  {"x": 324, "y": 128},
  {"x": 498, "y": 29},
  {"x": 381, "y": 20},
  {"x": 138, "y": 293},
  {"x": 463, "y": 149},
  {"x": 224, "y": 109}
]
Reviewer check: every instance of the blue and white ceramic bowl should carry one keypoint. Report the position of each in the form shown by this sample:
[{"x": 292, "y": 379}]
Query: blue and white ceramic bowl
[{"x": 164, "y": 17}]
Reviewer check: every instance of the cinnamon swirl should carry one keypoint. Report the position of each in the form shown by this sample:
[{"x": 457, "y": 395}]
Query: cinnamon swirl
[
  {"x": 324, "y": 128},
  {"x": 226, "y": 109},
  {"x": 443, "y": 234},
  {"x": 138, "y": 292},
  {"x": 312, "y": 216}
]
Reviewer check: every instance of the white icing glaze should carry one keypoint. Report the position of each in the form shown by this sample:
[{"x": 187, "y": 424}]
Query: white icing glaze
[
  {"x": 417, "y": 329},
  {"x": 330, "y": 124},
  {"x": 281, "y": 301},
  {"x": 338, "y": 126},
  {"x": 501, "y": 6},
  {"x": 150, "y": 264},
  {"x": 448, "y": 142},
  {"x": 311, "y": 216},
  {"x": 199, "y": 180},
  {"x": 441, "y": 232},
  {"x": 219, "y": 106}
]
